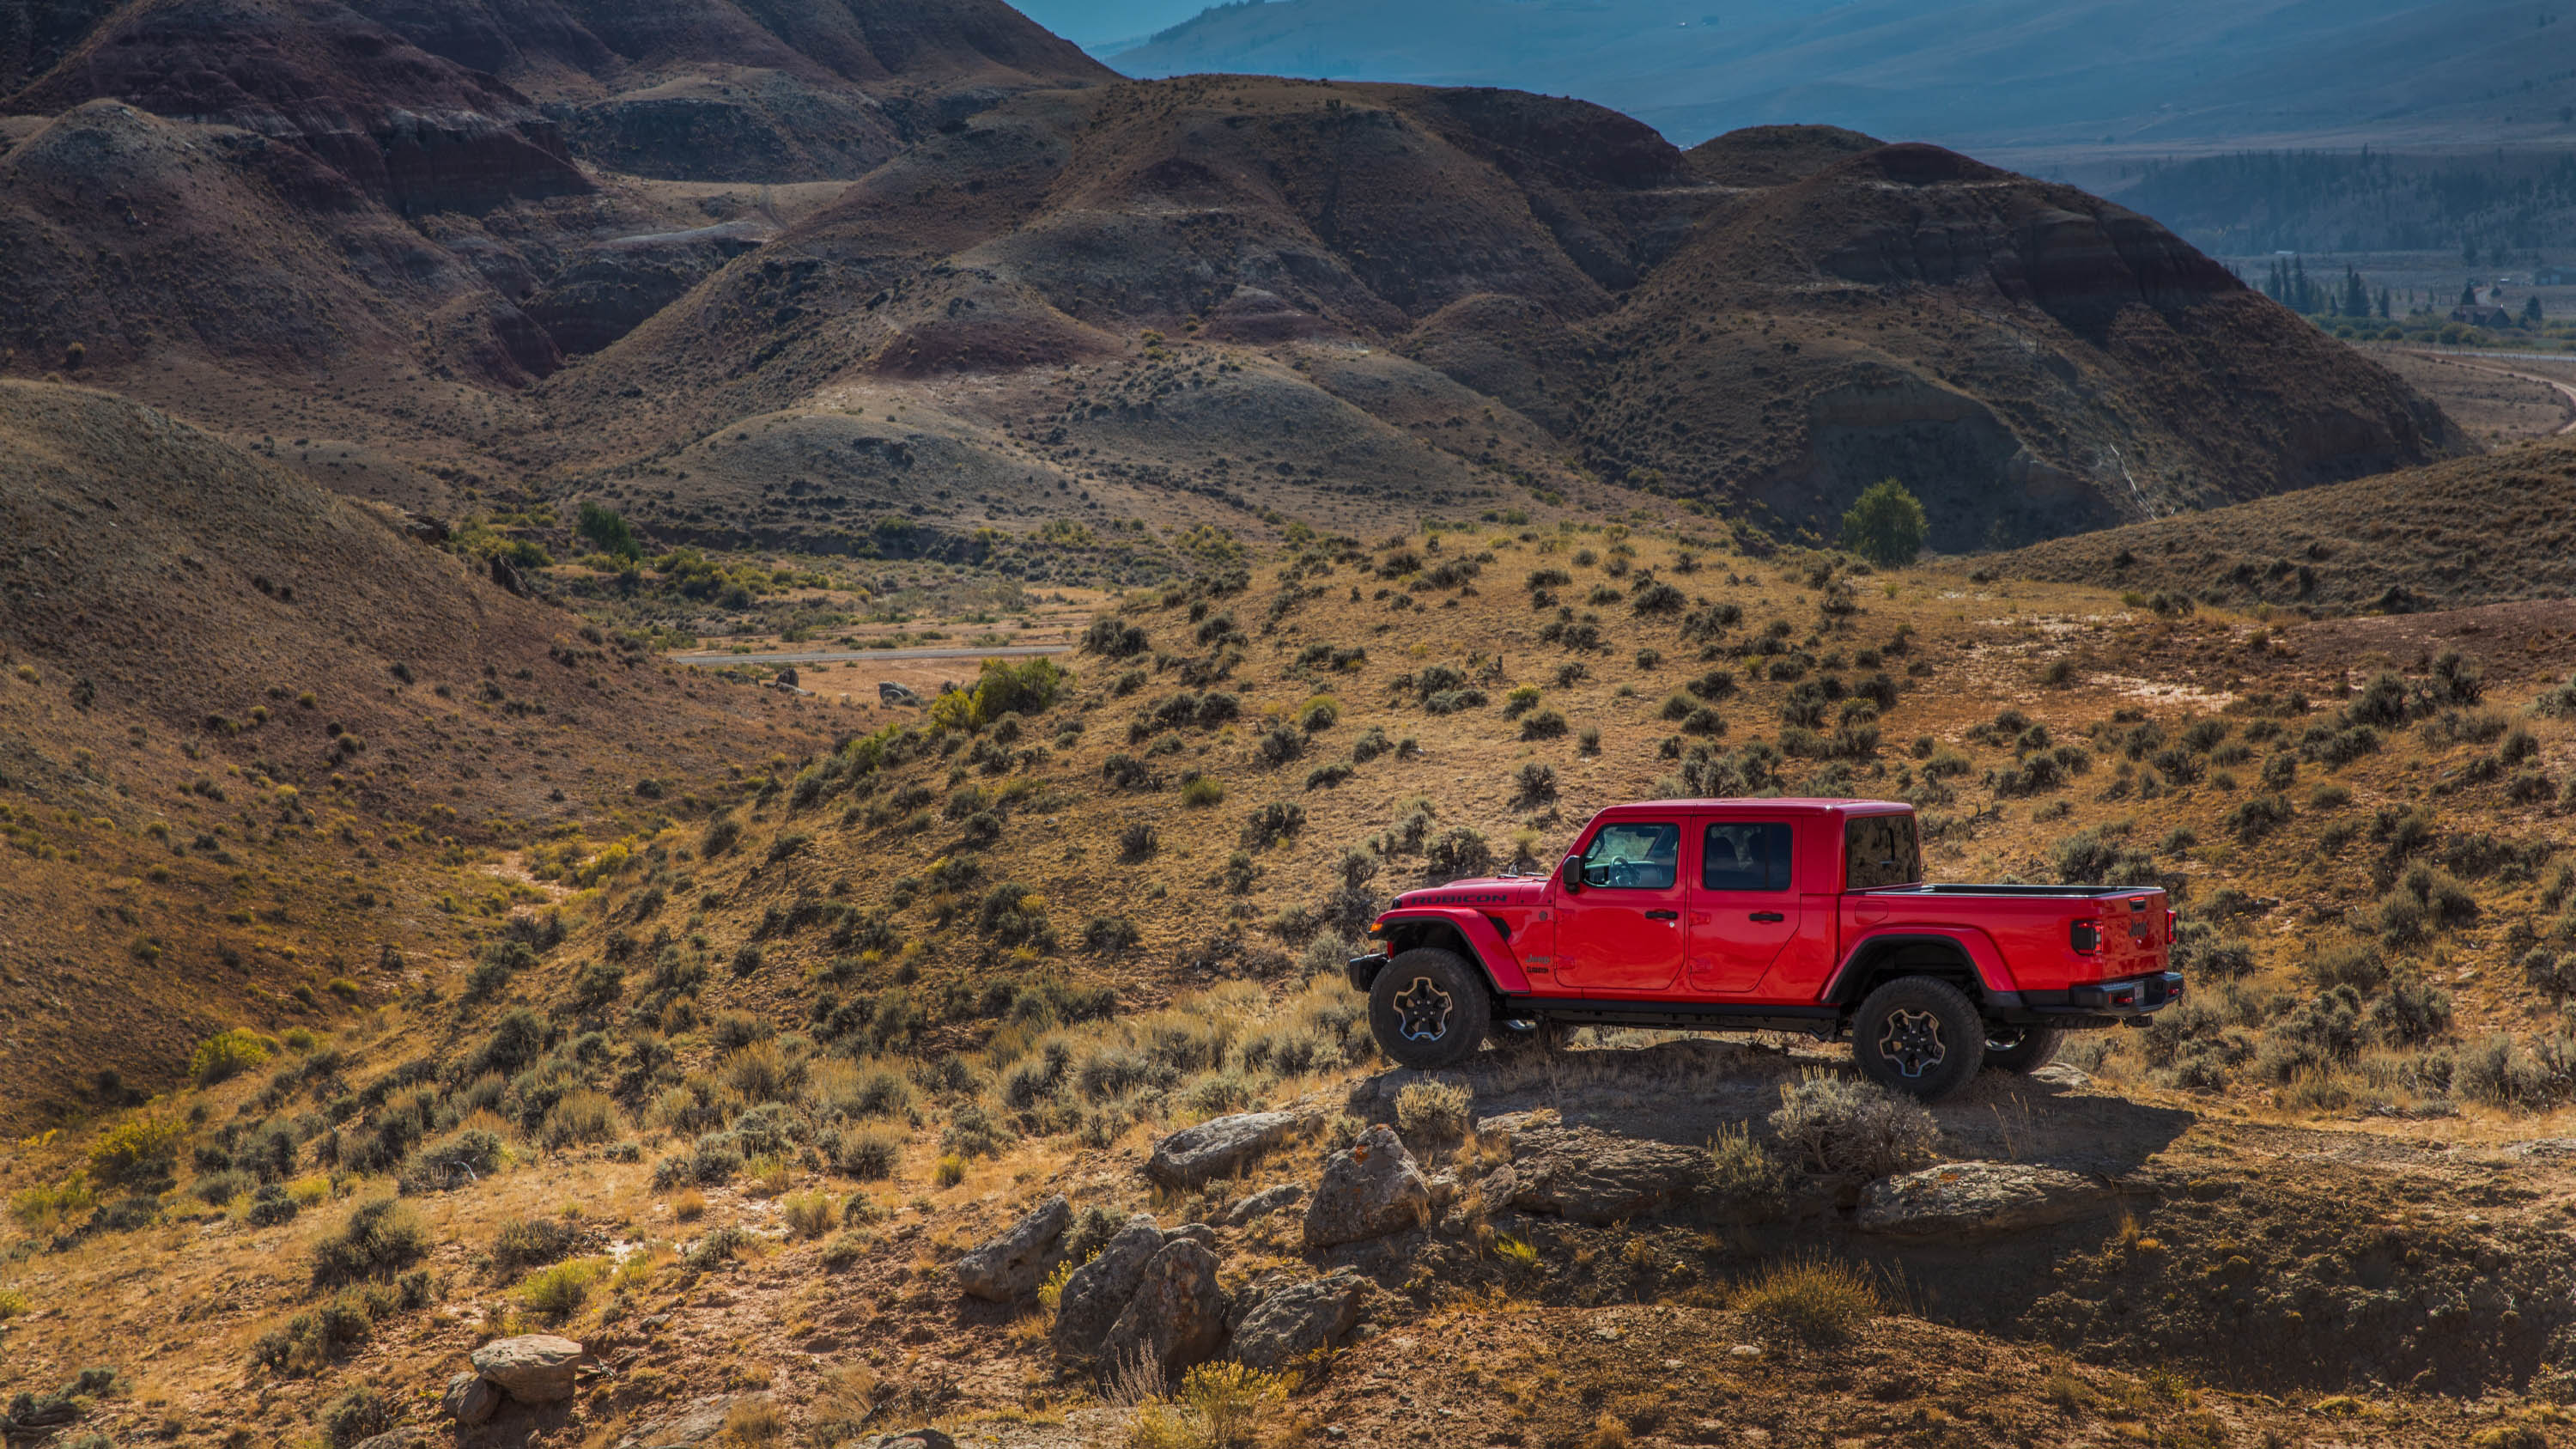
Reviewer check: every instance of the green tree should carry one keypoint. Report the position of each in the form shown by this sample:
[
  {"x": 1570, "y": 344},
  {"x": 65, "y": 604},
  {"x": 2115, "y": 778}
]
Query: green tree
[
  {"x": 1885, "y": 526},
  {"x": 609, "y": 533},
  {"x": 2531, "y": 311}
]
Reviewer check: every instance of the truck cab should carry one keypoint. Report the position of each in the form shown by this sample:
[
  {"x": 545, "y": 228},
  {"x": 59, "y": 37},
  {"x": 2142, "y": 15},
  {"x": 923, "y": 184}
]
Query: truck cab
[{"x": 1806, "y": 915}]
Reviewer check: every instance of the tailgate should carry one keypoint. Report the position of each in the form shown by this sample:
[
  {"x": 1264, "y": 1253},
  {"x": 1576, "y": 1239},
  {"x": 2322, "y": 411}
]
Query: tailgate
[{"x": 2129, "y": 933}]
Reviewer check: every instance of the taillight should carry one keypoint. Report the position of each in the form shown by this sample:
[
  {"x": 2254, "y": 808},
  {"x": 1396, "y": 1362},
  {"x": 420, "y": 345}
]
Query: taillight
[
  {"x": 2173, "y": 927},
  {"x": 2084, "y": 936}
]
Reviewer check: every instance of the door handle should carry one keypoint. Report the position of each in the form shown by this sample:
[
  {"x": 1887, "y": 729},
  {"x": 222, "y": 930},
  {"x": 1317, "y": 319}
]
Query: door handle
[
  {"x": 1769, "y": 916},
  {"x": 1663, "y": 915}
]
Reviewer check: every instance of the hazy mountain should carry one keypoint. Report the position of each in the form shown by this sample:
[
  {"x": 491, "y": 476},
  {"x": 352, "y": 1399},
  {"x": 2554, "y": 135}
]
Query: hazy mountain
[{"x": 1987, "y": 72}]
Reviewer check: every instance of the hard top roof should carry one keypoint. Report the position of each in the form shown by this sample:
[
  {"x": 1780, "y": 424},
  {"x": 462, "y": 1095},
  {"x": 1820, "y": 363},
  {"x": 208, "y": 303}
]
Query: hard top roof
[{"x": 1776, "y": 805}]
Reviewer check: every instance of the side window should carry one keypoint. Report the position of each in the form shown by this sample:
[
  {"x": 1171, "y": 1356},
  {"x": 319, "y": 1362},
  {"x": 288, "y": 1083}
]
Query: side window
[
  {"x": 1633, "y": 857},
  {"x": 1881, "y": 850},
  {"x": 1745, "y": 856}
]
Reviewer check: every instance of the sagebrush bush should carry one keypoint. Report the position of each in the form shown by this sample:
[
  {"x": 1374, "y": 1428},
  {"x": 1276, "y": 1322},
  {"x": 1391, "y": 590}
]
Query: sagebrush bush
[
  {"x": 227, "y": 1054},
  {"x": 1845, "y": 1124},
  {"x": 520, "y": 1244},
  {"x": 136, "y": 1151},
  {"x": 378, "y": 1240},
  {"x": 1433, "y": 1110}
]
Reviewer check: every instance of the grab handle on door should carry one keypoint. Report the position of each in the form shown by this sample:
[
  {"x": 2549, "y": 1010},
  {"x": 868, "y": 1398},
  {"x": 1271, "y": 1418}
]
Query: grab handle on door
[
  {"x": 1663, "y": 915},
  {"x": 1769, "y": 916}
]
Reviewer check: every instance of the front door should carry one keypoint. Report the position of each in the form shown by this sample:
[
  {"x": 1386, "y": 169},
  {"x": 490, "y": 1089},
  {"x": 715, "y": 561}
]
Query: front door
[
  {"x": 1623, "y": 930},
  {"x": 1744, "y": 906}
]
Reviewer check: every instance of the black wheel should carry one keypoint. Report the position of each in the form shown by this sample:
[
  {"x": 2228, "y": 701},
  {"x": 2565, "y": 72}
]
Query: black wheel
[
  {"x": 2021, "y": 1048},
  {"x": 1919, "y": 1036},
  {"x": 1429, "y": 1009}
]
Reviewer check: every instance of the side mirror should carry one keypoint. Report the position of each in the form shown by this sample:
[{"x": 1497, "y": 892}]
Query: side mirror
[{"x": 1572, "y": 874}]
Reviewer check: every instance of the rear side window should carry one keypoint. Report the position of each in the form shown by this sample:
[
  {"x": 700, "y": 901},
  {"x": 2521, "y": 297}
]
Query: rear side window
[
  {"x": 1881, "y": 850},
  {"x": 1745, "y": 856},
  {"x": 1633, "y": 857}
]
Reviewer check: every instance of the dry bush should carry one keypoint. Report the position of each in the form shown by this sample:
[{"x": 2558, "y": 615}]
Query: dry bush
[
  {"x": 1816, "y": 1298},
  {"x": 1433, "y": 1111},
  {"x": 1845, "y": 1124}
]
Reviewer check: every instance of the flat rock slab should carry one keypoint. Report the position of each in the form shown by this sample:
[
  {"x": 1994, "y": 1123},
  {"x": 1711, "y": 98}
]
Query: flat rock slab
[
  {"x": 697, "y": 1422},
  {"x": 1978, "y": 1197},
  {"x": 1217, "y": 1147},
  {"x": 1591, "y": 1176},
  {"x": 1297, "y": 1320},
  {"x": 534, "y": 1369}
]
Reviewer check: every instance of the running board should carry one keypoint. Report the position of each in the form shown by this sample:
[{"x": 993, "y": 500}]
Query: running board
[{"x": 1823, "y": 1022}]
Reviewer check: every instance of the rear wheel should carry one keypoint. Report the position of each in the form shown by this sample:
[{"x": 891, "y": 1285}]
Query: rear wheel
[
  {"x": 2021, "y": 1048},
  {"x": 1429, "y": 1009},
  {"x": 1919, "y": 1036}
]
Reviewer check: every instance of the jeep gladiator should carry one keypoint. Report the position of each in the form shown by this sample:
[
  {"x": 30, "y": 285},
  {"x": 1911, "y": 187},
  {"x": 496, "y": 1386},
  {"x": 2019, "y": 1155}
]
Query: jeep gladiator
[{"x": 1767, "y": 915}]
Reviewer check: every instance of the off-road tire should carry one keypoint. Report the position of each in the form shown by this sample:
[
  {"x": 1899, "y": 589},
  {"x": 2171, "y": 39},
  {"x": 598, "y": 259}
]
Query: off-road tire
[
  {"x": 1919, "y": 1036},
  {"x": 2022, "y": 1048},
  {"x": 1429, "y": 1009}
]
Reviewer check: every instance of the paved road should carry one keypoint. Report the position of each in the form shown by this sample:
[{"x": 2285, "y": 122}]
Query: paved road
[{"x": 832, "y": 656}]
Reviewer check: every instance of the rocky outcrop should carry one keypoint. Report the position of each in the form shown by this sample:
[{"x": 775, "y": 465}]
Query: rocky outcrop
[
  {"x": 536, "y": 1368},
  {"x": 1098, "y": 1291},
  {"x": 1177, "y": 1317},
  {"x": 1370, "y": 1189},
  {"x": 1961, "y": 1198},
  {"x": 1592, "y": 1176},
  {"x": 470, "y": 1399},
  {"x": 1263, "y": 1203},
  {"x": 1302, "y": 1318},
  {"x": 1012, "y": 1265},
  {"x": 1217, "y": 1147}
]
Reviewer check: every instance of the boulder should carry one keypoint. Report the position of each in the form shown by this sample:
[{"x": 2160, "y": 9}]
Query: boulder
[
  {"x": 1263, "y": 1203},
  {"x": 470, "y": 1399},
  {"x": 1098, "y": 1291},
  {"x": 1977, "y": 1197},
  {"x": 535, "y": 1368},
  {"x": 1298, "y": 1320},
  {"x": 1012, "y": 1265},
  {"x": 1370, "y": 1189},
  {"x": 889, "y": 692},
  {"x": 1592, "y": 1176},
  {"x": 699, "y": 1421},
  {"x": 921, "y": 1438},
  {"x": 1177, "y": 1317},
  {"x": 1217, "y": 1147},
  {"x": 1199, "y": 1233}
]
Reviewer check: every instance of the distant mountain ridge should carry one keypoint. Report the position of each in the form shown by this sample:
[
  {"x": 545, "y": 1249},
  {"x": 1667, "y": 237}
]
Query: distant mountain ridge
[{"x": 1978, "y": 75}]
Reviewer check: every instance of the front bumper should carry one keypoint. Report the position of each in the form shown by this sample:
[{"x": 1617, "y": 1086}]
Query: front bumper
[{"x": 1363, "y": 970}]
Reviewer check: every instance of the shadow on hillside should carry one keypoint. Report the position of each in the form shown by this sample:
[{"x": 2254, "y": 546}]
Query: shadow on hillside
[{"x": 1683, "y": 1091}]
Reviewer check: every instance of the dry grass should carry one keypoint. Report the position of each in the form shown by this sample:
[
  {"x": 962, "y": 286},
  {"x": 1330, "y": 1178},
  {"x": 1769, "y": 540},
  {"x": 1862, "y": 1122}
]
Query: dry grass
[{"x": 1816, "y": 1298}]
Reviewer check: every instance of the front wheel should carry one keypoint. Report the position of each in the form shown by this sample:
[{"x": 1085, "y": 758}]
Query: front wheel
[
  {"x": 1429, "y": 1009},
  {"x": 1919, "y": 1036},
  {"x": 2022, "y": 1048}
]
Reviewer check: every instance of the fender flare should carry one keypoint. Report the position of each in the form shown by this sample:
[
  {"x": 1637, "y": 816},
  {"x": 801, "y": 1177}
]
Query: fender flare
[
  {"x": 1485, "y": 945},
  {"x": 1983, "y": 957}
]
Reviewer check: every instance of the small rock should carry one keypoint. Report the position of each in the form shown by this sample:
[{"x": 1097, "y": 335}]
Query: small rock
[
  {"x": 1370, "y": 1189},
  {"x": 889, "y": 692},
  {"x": 536, "y": 1368},
  {"x": 1971, "y": 1197},
  {"x": 1607, "y": 1335},
  {"x": 1297, "y": 1320},
  {"x": 403, "y": 1438},
  {"x": 1014, "y": 1264},
  {"x": 1098, "y": 1291},
  {"x": 697, "y": 1422},
  {"x": 470, "y": 1399},
  {"x": 1597, "y": 1177},
  {"x": 2059, "y": 1074},
  {"x": 1177, "y": 1316},
  {"x": 1263, "y": 1203},
  {"x": 1745, "y": 1350},
  {"x": 1217, "y": 1147}
]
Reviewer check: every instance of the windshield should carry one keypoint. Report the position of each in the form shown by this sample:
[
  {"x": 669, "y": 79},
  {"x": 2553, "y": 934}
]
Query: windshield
[{"x": 1881, "y": 850}]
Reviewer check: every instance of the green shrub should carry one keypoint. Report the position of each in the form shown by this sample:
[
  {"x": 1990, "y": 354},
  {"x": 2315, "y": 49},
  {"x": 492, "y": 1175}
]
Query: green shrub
[
  {"x": 524, "y": 1243},
  {"x": 558, "y": 1292},
  {"x": 378, "y": 1240},
  {"x": 1885, "y": 525},
  {"x": 136, "y": 1151},
  {"x": 358, "y": 1414},
  {"x": 227, "y": 1054}
]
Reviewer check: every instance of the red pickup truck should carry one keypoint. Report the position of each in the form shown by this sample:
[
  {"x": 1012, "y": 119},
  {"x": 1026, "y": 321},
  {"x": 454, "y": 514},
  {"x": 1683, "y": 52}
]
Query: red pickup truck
[{"x": 1768, "y": 915}]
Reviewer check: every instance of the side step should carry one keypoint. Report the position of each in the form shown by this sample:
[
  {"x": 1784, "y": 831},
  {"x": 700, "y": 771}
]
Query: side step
[{"x": 1821, "y": 1022}]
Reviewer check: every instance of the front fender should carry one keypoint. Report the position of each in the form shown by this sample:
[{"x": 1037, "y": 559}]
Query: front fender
[
  {"x": 1485, "y": 945},
  {"x": 1980, "y": 949}
]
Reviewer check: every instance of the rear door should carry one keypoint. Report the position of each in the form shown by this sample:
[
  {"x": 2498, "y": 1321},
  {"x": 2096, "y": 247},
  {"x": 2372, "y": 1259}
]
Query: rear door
[
  {"x": 1623, "y": 932},
  {"x": 1744, "y": 904}
]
